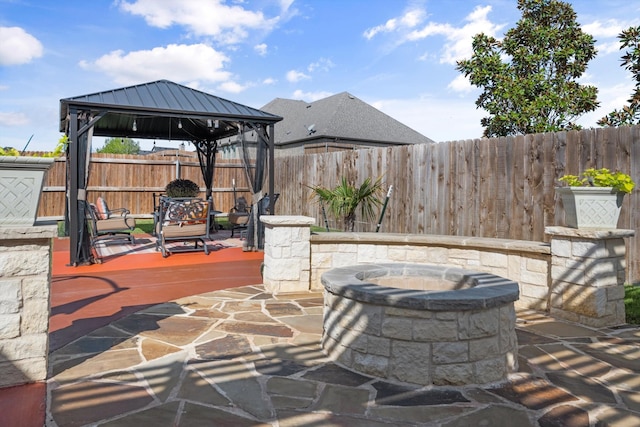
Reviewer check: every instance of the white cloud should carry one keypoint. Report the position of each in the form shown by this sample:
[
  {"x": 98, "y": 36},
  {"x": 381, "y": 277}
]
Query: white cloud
[
  {"x": 323, "y": 64},
  {"x": 294, "y": 76},
  {"x": 409, "y": 19},
  {"x": 226, "y": 23},
  {"x": 458, "y": 44},
  {"x": 461, "y": 84},
  {"x": 607, "y": 29},
  {"x": 13, "y": 119},
  {"x": 18, "y": 46},
  {"x": 269, "y": 81},
  {"x": 610, "y": 47},
  {"x": 182, "y": 63},
  {"x": 310, "y": 96},
  {"x": 232, "y": 87},
  {"x": 261, "y": 49}
]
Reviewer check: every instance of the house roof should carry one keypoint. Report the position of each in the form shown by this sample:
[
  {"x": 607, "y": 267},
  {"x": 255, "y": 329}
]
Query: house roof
[
  {"x": 341, "y": 116},
  {"x": 156, "y": 108}
]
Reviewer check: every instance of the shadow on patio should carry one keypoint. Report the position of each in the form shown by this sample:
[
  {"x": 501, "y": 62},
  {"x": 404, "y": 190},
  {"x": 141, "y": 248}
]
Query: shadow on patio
[{"x": 195, "y": 340}]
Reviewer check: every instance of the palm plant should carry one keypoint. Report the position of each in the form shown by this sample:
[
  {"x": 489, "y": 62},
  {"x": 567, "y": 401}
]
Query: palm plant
[{"x": 343, "y": 200}]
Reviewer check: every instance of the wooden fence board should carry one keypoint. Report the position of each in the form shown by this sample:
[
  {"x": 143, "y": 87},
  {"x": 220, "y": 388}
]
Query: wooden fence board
[{"x": 498, "y": 187}]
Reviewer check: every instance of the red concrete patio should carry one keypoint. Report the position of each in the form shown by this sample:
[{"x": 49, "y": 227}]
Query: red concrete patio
[{"x": 86, "y": 298}]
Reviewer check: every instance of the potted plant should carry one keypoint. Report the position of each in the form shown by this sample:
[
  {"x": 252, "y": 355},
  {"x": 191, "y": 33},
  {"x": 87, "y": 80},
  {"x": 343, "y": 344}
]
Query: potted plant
[
  {"x": 21, "y": 181},
  {"x": 594, "y": 199},
  {"x": 182, "y": 188}
]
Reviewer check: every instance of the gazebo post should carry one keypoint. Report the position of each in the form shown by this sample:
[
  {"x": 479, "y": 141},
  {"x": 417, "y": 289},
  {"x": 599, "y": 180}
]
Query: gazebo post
[
  {"x": 272, "y": 199},
  {"x": 72, "y": 198}
]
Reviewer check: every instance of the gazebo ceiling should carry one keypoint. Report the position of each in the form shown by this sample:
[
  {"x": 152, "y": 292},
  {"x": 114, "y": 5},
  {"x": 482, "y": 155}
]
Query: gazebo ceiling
[{"x": 163, "y": 110}]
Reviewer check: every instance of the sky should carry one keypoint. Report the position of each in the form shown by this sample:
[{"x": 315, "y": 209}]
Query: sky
[{"x": 397, "y": 55}]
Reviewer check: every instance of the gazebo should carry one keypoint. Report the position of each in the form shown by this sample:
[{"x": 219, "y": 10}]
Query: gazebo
[{"x": 159, "y": 110}]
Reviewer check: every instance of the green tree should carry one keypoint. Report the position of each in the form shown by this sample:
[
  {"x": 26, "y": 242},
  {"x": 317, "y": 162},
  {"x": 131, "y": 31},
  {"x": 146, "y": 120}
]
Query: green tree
[
  {"x": 120, "y": 146},
  {"x": 9, "y": 151},
  {"x": 344, "y": 200},
  {"x": 529, "y": 77},
  {"x": 630, "y": 113}
]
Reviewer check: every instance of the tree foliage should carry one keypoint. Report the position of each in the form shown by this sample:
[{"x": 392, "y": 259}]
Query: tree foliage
[
  {"x": 344, "y": 200},
  {"x": 529, "y": 77},
  {"x": 120, "y": 146},
  {"x": 630, "y": 113},
  {"x": 57, "y": 151}
]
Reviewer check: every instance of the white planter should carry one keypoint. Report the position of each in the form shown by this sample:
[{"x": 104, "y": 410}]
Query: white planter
[
  {"x": 21, "y": 180},
  {"x": 591, "y": 207}
]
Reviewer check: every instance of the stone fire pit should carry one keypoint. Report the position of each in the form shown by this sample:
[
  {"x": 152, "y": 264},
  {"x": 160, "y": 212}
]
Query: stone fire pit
[{"x": 421, "y": 324}]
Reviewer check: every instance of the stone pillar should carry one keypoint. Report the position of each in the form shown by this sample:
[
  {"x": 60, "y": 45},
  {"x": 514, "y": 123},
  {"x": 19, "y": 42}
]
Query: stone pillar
[
  {"x": 587, "y": 275},
  {"x": 287, "y": 253},
  {"x": 25, "y": 277}
]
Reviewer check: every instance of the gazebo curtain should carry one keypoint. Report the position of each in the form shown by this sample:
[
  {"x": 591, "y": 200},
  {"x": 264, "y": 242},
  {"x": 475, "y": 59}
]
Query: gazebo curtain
[
  {"x": 207, "y": 158},
  {"x": 255, "y": 179},
  {"x": 81, "y": 133}
]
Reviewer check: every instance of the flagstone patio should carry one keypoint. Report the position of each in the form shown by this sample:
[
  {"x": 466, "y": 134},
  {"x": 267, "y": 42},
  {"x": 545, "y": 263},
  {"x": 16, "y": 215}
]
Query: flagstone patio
[{"x": 195, "y": 340}]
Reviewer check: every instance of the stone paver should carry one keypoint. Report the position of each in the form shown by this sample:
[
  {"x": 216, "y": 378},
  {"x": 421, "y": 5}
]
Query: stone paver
[{"x": 243, "y": 357}]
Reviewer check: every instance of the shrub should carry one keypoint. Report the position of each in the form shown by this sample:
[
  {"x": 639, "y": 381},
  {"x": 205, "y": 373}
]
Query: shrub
[{"x": 182, "y": 188}]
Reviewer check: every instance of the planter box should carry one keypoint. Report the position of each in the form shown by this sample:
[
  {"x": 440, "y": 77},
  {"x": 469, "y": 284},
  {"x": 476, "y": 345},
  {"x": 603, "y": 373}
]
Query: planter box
[
  {"x": 21, "y": 180},
  {"x": 591, "y": 207}
]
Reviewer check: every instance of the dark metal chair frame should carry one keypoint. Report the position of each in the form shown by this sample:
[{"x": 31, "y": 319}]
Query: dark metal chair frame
[{"x": 183, "y": 219}]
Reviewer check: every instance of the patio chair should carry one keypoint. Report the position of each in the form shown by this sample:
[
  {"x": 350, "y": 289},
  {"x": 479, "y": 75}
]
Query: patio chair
[
  {"x": 239, "y": 215},
  {"x": 183, "y": 219},
  {"x": 105, "y": 223},
  {"x": 157, "y": 197}
]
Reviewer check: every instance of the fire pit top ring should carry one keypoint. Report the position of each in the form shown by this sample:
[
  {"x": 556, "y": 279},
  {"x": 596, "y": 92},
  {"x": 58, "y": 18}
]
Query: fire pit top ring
[{"x": 462, "y": 289}]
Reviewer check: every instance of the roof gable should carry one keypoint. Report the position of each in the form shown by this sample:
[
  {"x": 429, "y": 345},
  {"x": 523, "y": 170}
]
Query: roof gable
[{"x": 341, "y": 116}]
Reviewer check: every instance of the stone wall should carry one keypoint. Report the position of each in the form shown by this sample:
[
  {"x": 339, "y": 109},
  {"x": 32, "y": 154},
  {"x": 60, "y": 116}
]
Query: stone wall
[
  {"x": 421, "y": 347},
  {"x": 527, "y": 263},
  {"x": 587, "y": 275},
  {"x": 579, "y": 276},
  {"x": 286, "y": 255},
  {"x": 25, "y": 270}
]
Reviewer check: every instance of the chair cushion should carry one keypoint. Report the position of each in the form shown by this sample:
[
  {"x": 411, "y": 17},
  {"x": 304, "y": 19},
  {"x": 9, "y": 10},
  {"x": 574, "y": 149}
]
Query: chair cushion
[
  {"x": 176, "y": 231},
  {"x": 117, "y": 223},
  {"x": 238, "y": 218},
  {"x": 102, "y": 210}
]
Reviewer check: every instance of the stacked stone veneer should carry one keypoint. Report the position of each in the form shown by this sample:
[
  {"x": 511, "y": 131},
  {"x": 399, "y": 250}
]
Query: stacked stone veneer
[
  {"x": 286, "y": 253},
  {"x": 450, "y": 337},
  {"x": 588, "y": 273},
  {"x": 293, "y": 263},
  {"x": 421, "y": 347},
  {"x": 25, "y": 265},
  {"x": 527, "y": 263}
]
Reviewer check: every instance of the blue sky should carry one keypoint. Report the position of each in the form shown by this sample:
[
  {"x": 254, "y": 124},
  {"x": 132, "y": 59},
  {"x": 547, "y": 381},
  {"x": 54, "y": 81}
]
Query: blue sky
[{"x": 397, "y": 55}]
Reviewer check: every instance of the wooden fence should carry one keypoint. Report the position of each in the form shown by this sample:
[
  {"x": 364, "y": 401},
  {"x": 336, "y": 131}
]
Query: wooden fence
[
  {"x": 498, "y": 187},
  {"x": 130, "y": 181}
]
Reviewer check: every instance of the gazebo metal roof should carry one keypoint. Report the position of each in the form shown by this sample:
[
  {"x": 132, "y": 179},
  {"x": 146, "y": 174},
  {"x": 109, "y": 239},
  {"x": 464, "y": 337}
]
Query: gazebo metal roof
[
  {"x": 157, "y": 107},
  {"x": 155, "y": 110}
]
